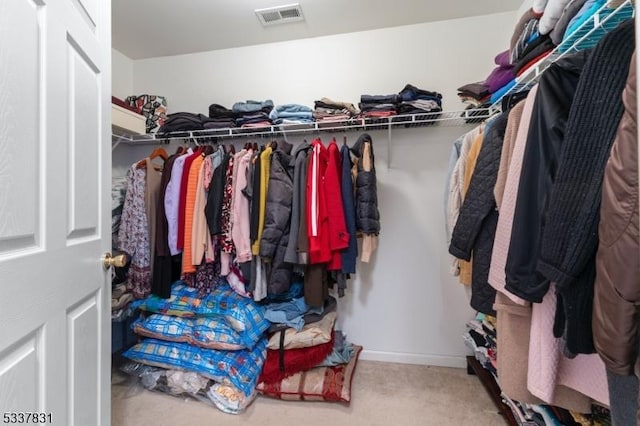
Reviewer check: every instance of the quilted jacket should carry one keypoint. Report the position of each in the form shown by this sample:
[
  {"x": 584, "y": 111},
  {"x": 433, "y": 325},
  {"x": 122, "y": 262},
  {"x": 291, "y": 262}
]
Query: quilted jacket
[
  {"x": 367, "y": 215},
  {"x": 275, "y": 235},
  {"x": 475, "y": 228}
]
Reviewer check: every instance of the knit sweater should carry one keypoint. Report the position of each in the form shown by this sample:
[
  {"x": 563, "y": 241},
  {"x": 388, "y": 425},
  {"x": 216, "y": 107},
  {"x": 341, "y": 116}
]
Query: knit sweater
[{"x": 570, "y": 237}]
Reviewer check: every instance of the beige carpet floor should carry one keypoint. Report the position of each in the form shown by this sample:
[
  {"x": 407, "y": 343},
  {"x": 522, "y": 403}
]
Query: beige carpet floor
[{"x": 382, "y": 394}]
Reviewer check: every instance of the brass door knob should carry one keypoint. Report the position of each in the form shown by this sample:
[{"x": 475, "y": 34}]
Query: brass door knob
[{"x": 117, "y": 261}]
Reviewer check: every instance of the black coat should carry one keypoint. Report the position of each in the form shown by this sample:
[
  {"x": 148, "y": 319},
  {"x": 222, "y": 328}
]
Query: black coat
[
  {"x": 570, "y": 238},
  {"x": 556, "y": 90},
  {"x": 367, "y": 214},
  {"x": 475, "y": 228},
  {"x": 277, "y": 221}
]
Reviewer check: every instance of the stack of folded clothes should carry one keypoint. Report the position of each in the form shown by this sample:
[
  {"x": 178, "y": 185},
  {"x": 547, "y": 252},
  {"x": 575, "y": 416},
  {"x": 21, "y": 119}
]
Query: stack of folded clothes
[
  {"x": 253, "y": 113},
  {"x": 379, "y": 106},
  {"x": 418, "y": 101},
  {"x": 220, "y": 117},
  {"x": 329, "y": 111},
  {"x": 181, "y": 122},
  {"x": 291, "y": 114},
  {"x": 187, "y": 122},
  {"x": 475, "y": 95},
  {"x": 303, "y": 350},
  {"x": 482, "y": 340}
]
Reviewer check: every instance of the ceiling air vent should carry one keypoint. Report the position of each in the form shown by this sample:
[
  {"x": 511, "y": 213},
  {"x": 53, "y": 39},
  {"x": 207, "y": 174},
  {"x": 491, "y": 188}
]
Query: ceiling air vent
[{"x": 280, "y": 14}]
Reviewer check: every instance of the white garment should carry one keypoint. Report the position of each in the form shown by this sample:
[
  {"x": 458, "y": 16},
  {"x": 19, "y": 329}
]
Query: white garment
[
  {"x": 172, "y": 201},
  {"x": 551, "y": 15}
]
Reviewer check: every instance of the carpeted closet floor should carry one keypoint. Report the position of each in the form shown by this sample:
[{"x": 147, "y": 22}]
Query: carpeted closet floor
[{"x": 382, "y": 394}]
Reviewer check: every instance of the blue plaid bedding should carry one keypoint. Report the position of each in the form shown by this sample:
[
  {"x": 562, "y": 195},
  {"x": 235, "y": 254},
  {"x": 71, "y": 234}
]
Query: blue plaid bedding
[
  {"x": 214, "y": 333},
  {"x": 239, "y": 368},
  {"x": 242, "y": 314},
  {"x": 183, "y": 302},
  {"x": 164, "y": 327}
]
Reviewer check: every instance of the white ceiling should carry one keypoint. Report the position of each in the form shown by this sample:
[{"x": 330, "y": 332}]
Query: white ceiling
[{"x": 150, "y": 28}]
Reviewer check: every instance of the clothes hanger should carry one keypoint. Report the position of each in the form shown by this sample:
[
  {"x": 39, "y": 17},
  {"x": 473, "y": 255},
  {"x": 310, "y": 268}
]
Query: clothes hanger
[{"x": 158, "y": 152}]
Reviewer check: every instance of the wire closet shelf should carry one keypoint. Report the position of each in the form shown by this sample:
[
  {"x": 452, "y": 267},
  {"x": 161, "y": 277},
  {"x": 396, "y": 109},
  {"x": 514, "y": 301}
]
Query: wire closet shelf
[{"x": 448, "y": 118}]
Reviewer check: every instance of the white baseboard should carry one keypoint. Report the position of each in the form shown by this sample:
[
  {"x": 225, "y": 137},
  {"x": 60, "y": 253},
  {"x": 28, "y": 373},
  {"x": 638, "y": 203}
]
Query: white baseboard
[{"x": 420, "y": 359}]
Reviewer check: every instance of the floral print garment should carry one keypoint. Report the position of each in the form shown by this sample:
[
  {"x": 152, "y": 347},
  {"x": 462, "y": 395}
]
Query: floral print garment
[
  {"x": 206, "y": 277},
  {"x": 134, "y": 233},
  {"x": 226, "y": 241}
]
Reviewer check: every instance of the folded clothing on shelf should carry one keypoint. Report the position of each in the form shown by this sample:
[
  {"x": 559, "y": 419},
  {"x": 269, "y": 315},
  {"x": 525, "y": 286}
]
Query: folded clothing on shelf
[
  {"x": 329, "y": 106},
  {"x": 291, "y": 114},
  {"x": 501, "y": 74}
]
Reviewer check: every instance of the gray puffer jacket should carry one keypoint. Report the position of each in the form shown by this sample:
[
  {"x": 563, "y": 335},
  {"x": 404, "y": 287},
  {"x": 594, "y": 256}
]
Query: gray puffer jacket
[
  {"x": 367, "y": 214},
  {"x": 277, "y": 221}
]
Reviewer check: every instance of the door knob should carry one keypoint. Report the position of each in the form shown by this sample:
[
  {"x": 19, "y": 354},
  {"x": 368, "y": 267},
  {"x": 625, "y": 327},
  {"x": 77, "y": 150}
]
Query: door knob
[{"x": 118, "y": 261}]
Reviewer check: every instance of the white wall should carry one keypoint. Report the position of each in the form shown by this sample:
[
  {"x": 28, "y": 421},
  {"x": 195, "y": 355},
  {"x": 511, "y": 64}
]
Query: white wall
[
  {"x": 436, "y": 56},
  {"x": 404, "y": 306},
  {"x": 121, "y": 75}
]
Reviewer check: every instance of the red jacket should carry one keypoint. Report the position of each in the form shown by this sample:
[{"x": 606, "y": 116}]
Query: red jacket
[
  {"x": 338, "y": 235},
  {"x": 317, "y": 214},
  {"x": 327, "y": 229}
]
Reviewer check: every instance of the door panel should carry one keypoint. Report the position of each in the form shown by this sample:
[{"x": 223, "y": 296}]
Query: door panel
[
  {"x": 55, "y": 177},
  {"x": 21, "y": 95},
  {"x": 83, "y": 325},
  {"x": 20, "y": 374},
  {"x": 89, "y": 10},
  {"x": 84, "y": 112}
]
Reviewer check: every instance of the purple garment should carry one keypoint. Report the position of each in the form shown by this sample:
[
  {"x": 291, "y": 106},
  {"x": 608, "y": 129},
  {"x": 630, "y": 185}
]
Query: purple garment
[
  {"x": 503, "y": 59},
  {"x": 498, "y": 78},
  {"x": 502, "y": 74}
]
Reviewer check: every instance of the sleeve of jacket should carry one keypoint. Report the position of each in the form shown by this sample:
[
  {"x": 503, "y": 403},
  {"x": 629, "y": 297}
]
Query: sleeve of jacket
[
  {"x": 479, "y": 199},
  {"x": 278, "y": 208}
]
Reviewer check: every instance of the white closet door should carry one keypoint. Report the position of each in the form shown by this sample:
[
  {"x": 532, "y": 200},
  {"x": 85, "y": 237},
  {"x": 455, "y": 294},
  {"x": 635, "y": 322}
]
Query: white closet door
[{"x": 55, "y": 161}]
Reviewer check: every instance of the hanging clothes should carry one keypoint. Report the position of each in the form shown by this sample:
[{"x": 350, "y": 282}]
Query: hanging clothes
[
  {"x": 202, "y": 248},
  {"x": 337, "y": 227},
  {"x": 265, "y": 165},
  {"x": 190, "y": 201},
  {"x": 164, "y": 273},
  {"x": 475, "y": 228},
  {"x": 277, "y": 221},
  {"x": 509, "y": 195},
  {"x": 466, "y": 266},
  {"x": 182, "y": 209},
  {"x": 298, "y": 207},
  {"x": 134, "y": 233},
  {"x": 616, "y": 289},
  {"x": 241, "y": 221},
  {"x": 172, "y": 201},
  {"x": 367, "y": 214},
  {"x": 350, "y": 253},
  {"x": 569, "y": 241}
]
